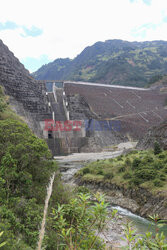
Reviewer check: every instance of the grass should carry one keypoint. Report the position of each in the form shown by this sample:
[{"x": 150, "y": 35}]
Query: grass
[
  {"x": 136, "y": 169},
  {"x": 7, "y": 112},
  {"x": 10, "y": 114},
  {"x": 87, "y": 73}
]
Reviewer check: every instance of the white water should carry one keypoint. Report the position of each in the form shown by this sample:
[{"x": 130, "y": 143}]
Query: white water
[
  {"x": 72, "y": 163},
  {"x": 126, "y": 212},
  {"x": 42, "y": 230},
  {"x": 143, "y": 225}
]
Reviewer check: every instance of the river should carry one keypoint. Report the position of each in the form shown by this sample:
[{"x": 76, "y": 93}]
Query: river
[{"x": 70, "y": 164}]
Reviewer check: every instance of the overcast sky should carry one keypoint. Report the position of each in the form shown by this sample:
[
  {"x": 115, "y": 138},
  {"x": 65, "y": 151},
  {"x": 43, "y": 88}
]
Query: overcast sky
[{"x": 39, "y": 31}]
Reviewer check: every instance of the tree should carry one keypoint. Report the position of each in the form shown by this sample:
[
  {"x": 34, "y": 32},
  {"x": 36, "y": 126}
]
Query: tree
[
  {"x": 79, "y": 223},
  {"x": 25, "y": 167}
]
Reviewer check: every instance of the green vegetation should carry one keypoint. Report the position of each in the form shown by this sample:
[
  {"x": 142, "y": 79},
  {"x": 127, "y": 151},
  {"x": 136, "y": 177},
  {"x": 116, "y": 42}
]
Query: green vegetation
[
  {"x": 77, "y": 222},
  {"x": 3, "y": 243},
  {"x": 155, "y": 78},
  {"x": 73, "y": 221},
  {"x": 147, "y": 241},
  {"x": 3, "y": 104},
  {"x": 25, "y": 168},
  {"x": 112, "y": 62},
  {"x": 138, "y": 168},
  {"x": 157, "y": 148}
]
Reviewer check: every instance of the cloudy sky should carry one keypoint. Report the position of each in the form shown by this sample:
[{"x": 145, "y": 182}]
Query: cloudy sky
[{"x": 39, "y": 31}]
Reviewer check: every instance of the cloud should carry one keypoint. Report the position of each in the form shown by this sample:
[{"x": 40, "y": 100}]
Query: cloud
[
  {"x": 148, "y": 2},
  {"x": 165, "y": 19},
  {"x": 8, "y": 26},
  {"x": 64, "y": 28},
  {"x": 141, "y": 31},
  {"x": 33, "y": 31}
]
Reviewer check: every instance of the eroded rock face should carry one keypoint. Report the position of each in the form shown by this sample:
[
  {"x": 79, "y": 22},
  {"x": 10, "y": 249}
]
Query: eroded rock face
[
  {"x": 157, "y": 133},
  {"x": 138, "y": 200},
  {"x": 27, "y": 95}
]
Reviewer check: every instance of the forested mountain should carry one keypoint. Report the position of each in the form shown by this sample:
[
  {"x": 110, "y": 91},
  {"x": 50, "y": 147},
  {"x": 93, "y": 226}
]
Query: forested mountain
[{"x": 111, "y": 62}]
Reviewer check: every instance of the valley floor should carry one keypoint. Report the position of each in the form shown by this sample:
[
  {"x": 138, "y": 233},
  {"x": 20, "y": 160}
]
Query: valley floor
[{"x": 70, "y": 164}]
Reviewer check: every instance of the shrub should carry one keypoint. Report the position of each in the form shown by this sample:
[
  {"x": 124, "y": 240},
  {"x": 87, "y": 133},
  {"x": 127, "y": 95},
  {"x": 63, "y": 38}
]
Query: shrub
[
  {"x": 165, "y": 169},
  {"x": 75, "y": 223},
  {"x": 158, "y": 165},
  {"x": 86, "y": 171},
  {"x": 136, "y": 181},
  {"x": 108, "y": 176},
  {"x": 128, "y": 162},
  {"x": 162, "y": 156},
  {"x": 162, "y": 177},
  {"x": 127, "y": 175},
  {"x": 136, "y": 163},
  {"x": 119, "y": 158},
  {"x": 145, "y": 174},
  {"x": 121, "y": 169},
  {"x": 148, "y": 159},
  {"x": 2, "y": 105},
  {"x": 82, "y": 189},
  {"x": 132, "y": 152},
  {"x": 158, "y": 183},
  {"x": 157, "y": 148},
  {"x": 100, "y": 172}
]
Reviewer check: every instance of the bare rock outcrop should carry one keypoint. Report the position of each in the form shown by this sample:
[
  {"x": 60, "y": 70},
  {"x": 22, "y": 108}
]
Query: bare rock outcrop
[
  {"x": 27, "y": 96},
  {"x": 156, "y": 133}
]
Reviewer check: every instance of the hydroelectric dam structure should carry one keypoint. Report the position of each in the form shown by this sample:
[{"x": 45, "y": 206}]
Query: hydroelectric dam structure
[
  {"x": 80, "y": 116},
  {"x": 92, "y": 117}
]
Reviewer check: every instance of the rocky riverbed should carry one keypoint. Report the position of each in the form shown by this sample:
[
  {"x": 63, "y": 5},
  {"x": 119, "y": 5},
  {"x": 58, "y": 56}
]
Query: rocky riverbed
[
  {"x": 122, "y": 200},
  {"x": 69, "y": 165}
]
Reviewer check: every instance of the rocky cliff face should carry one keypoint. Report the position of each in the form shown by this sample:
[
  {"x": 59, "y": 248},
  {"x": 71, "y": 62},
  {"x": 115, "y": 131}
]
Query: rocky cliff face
[
  {"x": 157, "y": 133},
  {"x": 138, "y": 200},
  {"x": 27, "y": 96}
]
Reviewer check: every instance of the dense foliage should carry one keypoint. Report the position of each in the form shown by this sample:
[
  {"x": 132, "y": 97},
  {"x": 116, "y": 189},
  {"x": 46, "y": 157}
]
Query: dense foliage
[
  {"x": 25, "y": 168},
  {"x": 74, "y": 222},
  {"x": 24, "y": 172},
  {"x": 3, "y": 104},
  {"x": 112, "y": 62},
  {"x": 137, "y": 168},
  {"x": 78, "y": 223}
]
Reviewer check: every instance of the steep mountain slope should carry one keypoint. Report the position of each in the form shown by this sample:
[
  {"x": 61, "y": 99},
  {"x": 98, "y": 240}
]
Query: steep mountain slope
[
  {"x": 157, "y": 133},
  {"x": 26, "y": 94},
  {"x": 161, "y": 83},
  {"x": 111, "y": 62},
  {"x": 58, "y": 68}
]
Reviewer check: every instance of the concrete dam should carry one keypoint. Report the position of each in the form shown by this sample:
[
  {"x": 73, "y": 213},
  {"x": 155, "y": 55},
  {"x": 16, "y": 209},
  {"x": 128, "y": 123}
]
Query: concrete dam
[
  {"x": 89, "y": 117},
  {"x": 76, "y": 116}
]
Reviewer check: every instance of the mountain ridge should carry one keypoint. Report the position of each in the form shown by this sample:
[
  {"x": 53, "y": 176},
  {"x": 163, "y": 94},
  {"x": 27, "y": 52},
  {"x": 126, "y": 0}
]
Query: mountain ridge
[{"x": 111, "y": 62}]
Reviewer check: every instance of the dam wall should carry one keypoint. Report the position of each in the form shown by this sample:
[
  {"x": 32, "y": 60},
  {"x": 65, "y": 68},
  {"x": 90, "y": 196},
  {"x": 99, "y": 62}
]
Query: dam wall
[{"x": 95, "y": 106}]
